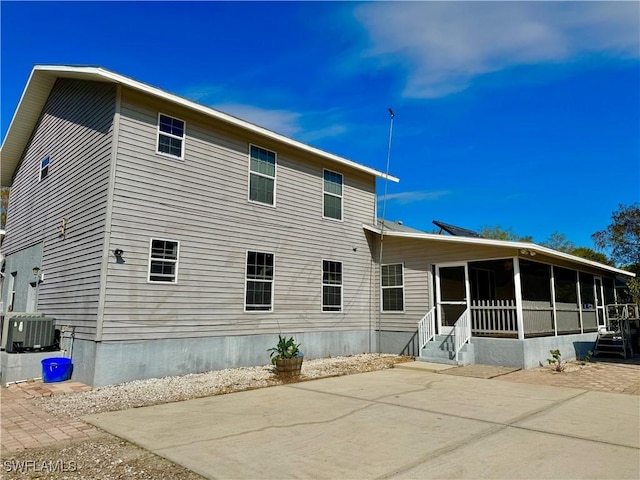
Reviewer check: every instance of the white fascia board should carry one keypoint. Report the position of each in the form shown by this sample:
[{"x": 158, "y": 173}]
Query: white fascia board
[
  {"x": 98, "y": 73},
  {"x": 498, "y": 243}
]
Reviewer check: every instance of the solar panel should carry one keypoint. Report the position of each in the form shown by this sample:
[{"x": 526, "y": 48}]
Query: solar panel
[{"x": 456, "y": 231}]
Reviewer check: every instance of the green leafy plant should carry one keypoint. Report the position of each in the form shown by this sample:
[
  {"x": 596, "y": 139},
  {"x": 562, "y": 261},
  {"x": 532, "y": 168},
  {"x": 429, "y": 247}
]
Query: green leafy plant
[
  {"x": 587, "y": 357},
  {"x": 556, "y": 360},
  {"x": 285, "y": 348}
]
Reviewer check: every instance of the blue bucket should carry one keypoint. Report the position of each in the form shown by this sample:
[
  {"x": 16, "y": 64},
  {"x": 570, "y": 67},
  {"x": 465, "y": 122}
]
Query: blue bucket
[{"x": 56, "y": 369}]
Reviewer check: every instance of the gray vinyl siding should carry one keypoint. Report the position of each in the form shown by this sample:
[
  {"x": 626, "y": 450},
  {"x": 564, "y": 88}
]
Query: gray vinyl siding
[
  {"x": 74, "y": 130},
  {"x": 418, "y": 257},
  {"x": 202, "y": 202}
]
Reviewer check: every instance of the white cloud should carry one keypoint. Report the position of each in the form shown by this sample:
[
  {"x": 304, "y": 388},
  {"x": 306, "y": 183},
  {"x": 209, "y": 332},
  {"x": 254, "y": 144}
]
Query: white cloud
[
  {"x": 279, "y": 121},
  {"x": 404, "y": 198},
  {"x": 444, "y": 45}
]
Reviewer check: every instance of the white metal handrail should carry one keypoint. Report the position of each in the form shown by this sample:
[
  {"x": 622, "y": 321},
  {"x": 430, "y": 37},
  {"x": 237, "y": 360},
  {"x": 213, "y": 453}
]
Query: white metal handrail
[
  {"x": 461, "y": 331},
  {"x": 427, "y": 327}
]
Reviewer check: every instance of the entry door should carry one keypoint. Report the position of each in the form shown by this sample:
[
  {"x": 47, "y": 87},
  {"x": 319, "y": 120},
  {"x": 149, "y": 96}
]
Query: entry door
[
  {"x": 452, "y": 294},
  {"x": 600, "y": 306}
]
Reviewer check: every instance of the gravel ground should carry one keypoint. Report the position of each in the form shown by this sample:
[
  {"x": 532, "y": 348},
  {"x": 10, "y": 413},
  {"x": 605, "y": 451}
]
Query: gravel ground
[{"x": 109, "y": 458}]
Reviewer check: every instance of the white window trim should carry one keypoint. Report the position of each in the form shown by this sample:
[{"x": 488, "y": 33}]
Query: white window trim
[
  {"x": 40, "y": 177},
  {"x": 341, "y": 197},
  {"x": 322, "y": 310},
  {"x": 404, "y": 301},
  {"x": 177, "y": 261},
  {"x": 246, "y": 280},
  {"x": 183, "y": 138},
  {"x": 275, "y": 177}
]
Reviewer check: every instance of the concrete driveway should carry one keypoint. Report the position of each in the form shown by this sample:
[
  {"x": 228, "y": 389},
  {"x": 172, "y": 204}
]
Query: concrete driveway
[{"x": 394, "y": 424}]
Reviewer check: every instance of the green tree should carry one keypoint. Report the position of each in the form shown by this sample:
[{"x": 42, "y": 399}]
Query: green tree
[
  {"x": 622, "y": 238},
  {"x": 558, "y": 241},
  {"x": 591, "y": 254},
  {"x": 496, "y": 232}
]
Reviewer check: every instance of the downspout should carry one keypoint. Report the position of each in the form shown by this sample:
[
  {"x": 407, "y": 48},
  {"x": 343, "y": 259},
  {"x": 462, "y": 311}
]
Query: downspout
[{"x": 108, "y": 215}]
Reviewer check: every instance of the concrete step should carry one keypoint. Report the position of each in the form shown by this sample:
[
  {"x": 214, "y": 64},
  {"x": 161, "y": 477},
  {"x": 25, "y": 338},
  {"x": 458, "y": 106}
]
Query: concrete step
[{"x": 441, "y": 351}]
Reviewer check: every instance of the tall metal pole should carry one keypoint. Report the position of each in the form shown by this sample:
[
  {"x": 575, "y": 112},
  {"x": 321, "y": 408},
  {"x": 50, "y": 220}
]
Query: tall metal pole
[{"x": 384, "y": 211}]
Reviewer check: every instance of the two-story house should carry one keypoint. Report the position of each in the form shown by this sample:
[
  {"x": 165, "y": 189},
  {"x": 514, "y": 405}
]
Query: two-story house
[
  {"x": 167, "y": 237},
  {"x": 173, "y": 238}
]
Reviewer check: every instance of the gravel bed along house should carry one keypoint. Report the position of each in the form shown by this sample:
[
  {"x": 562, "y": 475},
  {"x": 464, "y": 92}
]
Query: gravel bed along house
[{"x": 155, "y": 391}]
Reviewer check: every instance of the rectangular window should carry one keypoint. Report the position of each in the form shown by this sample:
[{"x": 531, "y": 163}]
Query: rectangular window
[
  {"x": 163, "y": 261},
  {"x": 171, "y": 134},
  {"x": 331, "y": 286},
  {"x": 12, "y": 291},
  {"x": 332, "y": 201},
  {"x": 44, "y": 167},
  {"x": 392, "y": 288},
  {"x": 259, "y": 282},
  {"x": 262, "y": 175}
]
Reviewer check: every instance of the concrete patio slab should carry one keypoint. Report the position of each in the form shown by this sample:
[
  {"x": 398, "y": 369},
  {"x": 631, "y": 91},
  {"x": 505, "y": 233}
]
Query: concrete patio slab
[
  {"x": 425, "y": 366},
  {"x": 480, "y": 371},
  {"x": 521, "y": 454},
  {"x": 586, "y": 415},
  {"x": 392, "y": 423}
]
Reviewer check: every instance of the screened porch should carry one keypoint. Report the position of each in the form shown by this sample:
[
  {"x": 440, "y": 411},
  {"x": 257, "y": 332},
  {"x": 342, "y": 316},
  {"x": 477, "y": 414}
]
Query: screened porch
[{"x": 521, "y": 298}]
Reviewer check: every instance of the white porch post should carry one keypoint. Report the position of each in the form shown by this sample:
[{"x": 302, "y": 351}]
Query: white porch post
[
  {"x": 518, "y": 289},
  {"x": 579, "y": 294},
  {"x": 553, "y": 302}
]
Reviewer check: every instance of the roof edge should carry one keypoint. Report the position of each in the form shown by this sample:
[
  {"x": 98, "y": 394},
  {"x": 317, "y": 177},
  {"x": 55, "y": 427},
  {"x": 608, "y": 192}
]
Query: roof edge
[
  {"x": 102, "y": 74},
  {"x": 498, "y": 243}
]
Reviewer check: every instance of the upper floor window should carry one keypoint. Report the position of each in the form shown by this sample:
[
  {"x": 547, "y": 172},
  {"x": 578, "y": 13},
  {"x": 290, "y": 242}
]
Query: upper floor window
[
  {"x": 170, "y": 136},
  {"x": 44, "y": 167},
  {"x": 392, "y": 288},
  {"x": 332, "y": 201},
  {"x": 259, "y": 282},
  {"x": 331, "y": 286},
  {"x": 262, "y": 175},
  {"x": 163, "y": 261}
]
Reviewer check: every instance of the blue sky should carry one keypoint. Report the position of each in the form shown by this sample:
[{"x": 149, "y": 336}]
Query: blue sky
[{"x": 519, "y": 114}]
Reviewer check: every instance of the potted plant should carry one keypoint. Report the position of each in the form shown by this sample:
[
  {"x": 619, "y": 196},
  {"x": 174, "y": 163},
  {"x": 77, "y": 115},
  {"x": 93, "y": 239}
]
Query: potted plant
[{"x": 287, "y": 357}]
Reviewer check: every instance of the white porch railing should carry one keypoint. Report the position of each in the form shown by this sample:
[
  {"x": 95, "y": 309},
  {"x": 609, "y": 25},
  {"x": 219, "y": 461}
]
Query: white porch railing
[
  {"x": 494, "y": 317},
  {"x": 427, "y": 327},
  {"x": 623, "y": 311},
  {"x": 462, "y": 332}
]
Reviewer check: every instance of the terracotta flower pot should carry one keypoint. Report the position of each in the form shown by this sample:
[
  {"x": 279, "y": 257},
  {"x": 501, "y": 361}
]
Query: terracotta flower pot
[{"x": 289, "y": 367}]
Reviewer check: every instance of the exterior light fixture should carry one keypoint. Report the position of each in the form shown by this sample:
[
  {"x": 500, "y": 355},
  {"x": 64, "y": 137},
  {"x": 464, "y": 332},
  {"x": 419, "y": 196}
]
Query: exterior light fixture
[
  {"x": 118, "y": 252},
  {"x": 36, "y": 271}
]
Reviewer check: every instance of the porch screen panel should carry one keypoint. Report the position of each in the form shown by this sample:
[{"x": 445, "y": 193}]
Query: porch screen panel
[
  {"x": 493, "y": 304},
  {"x": 452, "y": 285},
  {"x": 609, "y": 295},
  {"x": 588, "y": 298},
  {"x": 536, "y": 298},
  {"x": 567, "y": 308}
]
